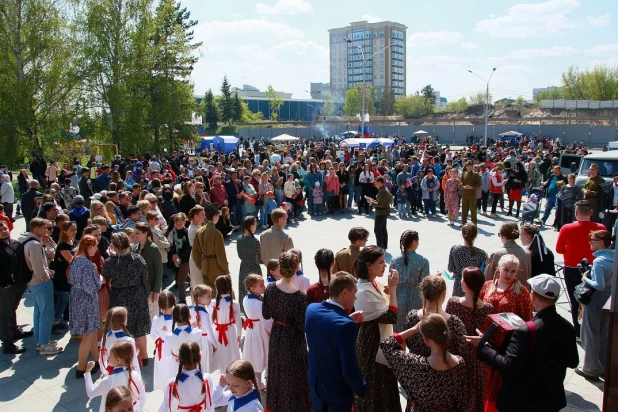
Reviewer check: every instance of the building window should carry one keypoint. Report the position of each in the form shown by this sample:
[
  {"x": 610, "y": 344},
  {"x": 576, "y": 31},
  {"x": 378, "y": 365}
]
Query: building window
[{"x": 367, "y": 49}]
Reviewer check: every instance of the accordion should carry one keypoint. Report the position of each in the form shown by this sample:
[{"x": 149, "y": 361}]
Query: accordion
[{"x": 498, "y": 329}]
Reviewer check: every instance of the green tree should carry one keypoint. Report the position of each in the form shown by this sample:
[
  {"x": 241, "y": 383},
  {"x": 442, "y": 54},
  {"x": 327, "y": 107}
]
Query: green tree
[
  {"x": 274, "y": 102},
  {"x": 38, "y": 75},
  {"x": 479, "y": 98},
  {"x": 330, "y": 107},
  {"x": 504, "y": 102},
  {"x": 237, "y": 108},
  {"x": 429, "y": 93},
  {"x": 520, "y": 101},
  {"x": 226, "y": 103},
  {"x": 458, "y": 105},
  {"x": 412, "y": 107},
  {"x": 211, "y": 114},
  {"x": 556, "y": 94},
  {"x": 352, "y": 105},
  {"x": 599, "y": 83},
  {"x": 387, "y": 104}
]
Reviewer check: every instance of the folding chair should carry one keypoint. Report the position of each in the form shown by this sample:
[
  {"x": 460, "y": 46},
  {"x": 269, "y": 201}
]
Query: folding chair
[{"x": 560, "y": 277}]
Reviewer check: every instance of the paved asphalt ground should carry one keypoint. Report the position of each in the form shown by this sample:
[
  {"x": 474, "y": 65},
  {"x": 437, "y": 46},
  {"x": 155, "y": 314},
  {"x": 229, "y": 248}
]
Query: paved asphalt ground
[{"x": 30, "y": 382}]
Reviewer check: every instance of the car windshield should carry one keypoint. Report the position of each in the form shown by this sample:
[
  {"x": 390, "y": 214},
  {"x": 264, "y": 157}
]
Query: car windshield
[{"x": 607, "y": 168}]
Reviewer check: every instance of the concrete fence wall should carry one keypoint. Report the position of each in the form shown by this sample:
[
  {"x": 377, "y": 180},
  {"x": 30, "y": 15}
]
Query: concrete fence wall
[{"x": 591, "y": 135}]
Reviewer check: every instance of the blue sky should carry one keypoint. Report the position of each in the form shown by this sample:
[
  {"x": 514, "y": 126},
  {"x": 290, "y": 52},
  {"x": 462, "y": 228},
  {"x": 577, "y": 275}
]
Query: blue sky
[{"x": 285, "y": 42}]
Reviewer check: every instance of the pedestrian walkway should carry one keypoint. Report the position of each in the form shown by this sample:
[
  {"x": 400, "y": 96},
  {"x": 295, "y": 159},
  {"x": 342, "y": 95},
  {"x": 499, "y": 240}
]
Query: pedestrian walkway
[{"x": 30, "y": 382}]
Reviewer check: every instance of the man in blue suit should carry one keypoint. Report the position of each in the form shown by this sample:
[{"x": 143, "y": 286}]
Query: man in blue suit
[{"x": 334, "y": 376}]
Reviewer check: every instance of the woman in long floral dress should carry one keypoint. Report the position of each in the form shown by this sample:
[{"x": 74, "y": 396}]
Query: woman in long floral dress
[
  {"x": 472, "y": 311},
  {"x": 288, "y": 386},
  {"x": 451, "y": 196},
  {"x": 84, "y": 308},
  {"x": 248, "y": 248},
  {"x": 506, "y": 294},
  {"x": 379, "y": 305}
]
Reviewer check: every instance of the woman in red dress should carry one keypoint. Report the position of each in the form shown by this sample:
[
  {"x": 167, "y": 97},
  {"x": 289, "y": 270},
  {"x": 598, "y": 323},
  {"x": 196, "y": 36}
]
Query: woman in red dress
[
  {"x": 506, "y": 294},
  {"x": 472, "y": 311}
]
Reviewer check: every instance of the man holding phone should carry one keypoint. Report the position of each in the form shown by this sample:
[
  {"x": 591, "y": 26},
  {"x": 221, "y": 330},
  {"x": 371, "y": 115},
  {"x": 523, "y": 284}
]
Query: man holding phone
[{"x": 382, "y": 206}]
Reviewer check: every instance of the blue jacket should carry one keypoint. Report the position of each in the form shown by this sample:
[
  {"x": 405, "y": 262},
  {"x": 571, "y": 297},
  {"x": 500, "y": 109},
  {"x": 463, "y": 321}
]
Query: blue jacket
[
  {"x": 602, "y": 270},
  {"x": 334, "y": 375},
  {"x": 102, "y": 182},
  {"x": 311, "y": 178}
]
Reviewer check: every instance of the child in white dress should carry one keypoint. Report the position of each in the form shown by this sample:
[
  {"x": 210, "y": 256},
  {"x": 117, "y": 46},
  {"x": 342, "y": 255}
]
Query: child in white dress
[
  {"x": 227, "y": 323},
  {"x": 161, "y": 326},
  {"x": 191, "y": 389},
  {"x": 116, "y": 330},
  {"x": 257, "y": 329},
  {"x": 120, "y": 358},
  {"x": 301, "y": 281},
  {"x": 242, "y": 394},
  {"x": 272, "y": 271},
  {"x": 119, "y": 399},
  {"x": 181, "y": 332},
  {"x": 201, "y": 295}
]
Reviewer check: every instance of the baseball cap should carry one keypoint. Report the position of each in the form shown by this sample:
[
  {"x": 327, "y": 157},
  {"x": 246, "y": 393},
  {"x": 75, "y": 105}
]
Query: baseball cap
[
  {"x": 545, "y": 285},
  {"x": 96, "y": 196},
  {"x": 138, "y": 164},
  {"x": 78, "y": 199},
  {"x": 554, "y": 160}
]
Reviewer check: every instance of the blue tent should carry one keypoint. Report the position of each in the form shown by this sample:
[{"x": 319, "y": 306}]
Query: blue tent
[{"x": 220, "y": 143}]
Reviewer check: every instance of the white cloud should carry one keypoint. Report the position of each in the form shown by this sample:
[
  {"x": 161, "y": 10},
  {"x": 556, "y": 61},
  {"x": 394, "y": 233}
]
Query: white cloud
[
  {"x": 602, "y": 20},
  {"x": 551, "y": 52},
  {"x": 371, "y": 18},
  {"x": 469, "y": 45},
  {"x": 285, "y": 7},
  {"x": 434, "y": 38},
  {"x": 603, "y": 48},
  {"x": 243, "y": 28},
  {"x": 531, "y": 20}
]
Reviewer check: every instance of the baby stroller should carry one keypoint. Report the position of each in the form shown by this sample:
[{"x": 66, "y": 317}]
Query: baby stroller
[{"x": 532, "y": 207}]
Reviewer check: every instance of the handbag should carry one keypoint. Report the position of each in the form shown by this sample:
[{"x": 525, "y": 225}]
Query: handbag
[{"x": 583, "y": 293}]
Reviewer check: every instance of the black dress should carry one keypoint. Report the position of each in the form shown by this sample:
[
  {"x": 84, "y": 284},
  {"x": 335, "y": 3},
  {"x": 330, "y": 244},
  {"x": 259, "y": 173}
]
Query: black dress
[
  {"x": 288, "y": 386},
  {"x": 130, "y": 287},
  {"x": 382, "y": 389}
]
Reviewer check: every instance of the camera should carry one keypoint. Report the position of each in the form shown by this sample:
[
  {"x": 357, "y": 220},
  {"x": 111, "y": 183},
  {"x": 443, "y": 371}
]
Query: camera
[{"x": 583, "y": 266}]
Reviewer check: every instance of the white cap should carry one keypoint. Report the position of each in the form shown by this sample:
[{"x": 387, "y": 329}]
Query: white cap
[{"x": 545, "y": 285}]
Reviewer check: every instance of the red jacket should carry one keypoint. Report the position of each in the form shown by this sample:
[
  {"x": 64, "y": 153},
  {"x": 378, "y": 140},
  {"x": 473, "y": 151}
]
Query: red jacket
[{"x": 218, "y": 195}]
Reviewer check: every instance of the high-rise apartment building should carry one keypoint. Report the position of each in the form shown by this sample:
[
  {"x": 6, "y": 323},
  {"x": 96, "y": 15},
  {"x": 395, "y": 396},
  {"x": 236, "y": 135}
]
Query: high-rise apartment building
[{"x": 351, "y": 61}]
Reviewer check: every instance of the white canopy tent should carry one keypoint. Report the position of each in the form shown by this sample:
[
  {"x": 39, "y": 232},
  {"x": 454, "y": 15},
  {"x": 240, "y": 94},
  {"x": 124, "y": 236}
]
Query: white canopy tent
[
  {"x": 359, "y": 142},
  {"x": 420, "y": 132},
  {"x": 284, "y": 138},
  {"x": 512, "y": 133}
]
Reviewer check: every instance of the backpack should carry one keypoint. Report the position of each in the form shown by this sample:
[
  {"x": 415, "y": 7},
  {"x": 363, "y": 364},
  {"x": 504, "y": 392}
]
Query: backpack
[{"x": 19, "y": 267}]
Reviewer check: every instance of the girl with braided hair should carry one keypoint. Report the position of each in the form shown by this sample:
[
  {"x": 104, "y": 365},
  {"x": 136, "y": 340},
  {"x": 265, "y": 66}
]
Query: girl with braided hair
[
  {"x": 201, "y": 319},
  {"x": 227, "y": 323},
  {"x": 122, "y": 355},
  {"x": 324, "y": 261},
  {"x": 472, "y": 311},
  {"x": 181, "y": 332},
  {"x": 433, "y": 289},
  {"x": 161, "y": 326},
  {"x": 115, "y": 330},
  {"x": 412, "y": 268},
  {"x": 191, "y": 388},
  {"x": 426, "y": 377},
  {"x": 242, "y": 394},
  {"x": 288, "y": 386}
]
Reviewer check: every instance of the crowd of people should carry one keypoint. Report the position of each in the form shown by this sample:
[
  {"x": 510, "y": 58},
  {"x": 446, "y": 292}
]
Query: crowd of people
[{"x": 101, "y": 238}]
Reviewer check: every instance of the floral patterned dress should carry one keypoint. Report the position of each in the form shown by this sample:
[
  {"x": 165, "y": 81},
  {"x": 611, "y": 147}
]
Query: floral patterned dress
[
  {"x": 457, "y": 344},
  {"x": 248, "y": 248},
  {"x": 84, "y": 307},
  {"x": 461, "y": 257},
  {"x": 505, "y": 301},
  {"x": 288, "y": 386},
  {"x": 451, "y": 197},
  {"x": 472, "y": 320},
  {"x": 431, "y": 390}
]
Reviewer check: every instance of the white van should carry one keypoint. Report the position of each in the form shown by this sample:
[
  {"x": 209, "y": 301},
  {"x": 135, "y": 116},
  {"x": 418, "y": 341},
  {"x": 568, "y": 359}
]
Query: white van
[{"x": 608, "y": 166}]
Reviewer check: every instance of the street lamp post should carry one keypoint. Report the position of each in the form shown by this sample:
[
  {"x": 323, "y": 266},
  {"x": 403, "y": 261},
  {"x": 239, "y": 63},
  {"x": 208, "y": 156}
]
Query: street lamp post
[
  {"x": 365, "y": 78},
  {"x": 486, "y": 98}
]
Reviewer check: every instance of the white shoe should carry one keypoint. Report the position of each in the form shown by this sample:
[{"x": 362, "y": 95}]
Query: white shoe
[
  {"x": 50, "y": 343},
  {"x": 50, "y": 350}
]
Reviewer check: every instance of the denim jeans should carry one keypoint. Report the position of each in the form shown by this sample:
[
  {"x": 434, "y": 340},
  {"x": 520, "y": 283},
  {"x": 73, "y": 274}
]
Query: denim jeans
[
  {"x": 430, "y": 206},
  {"x": 263, "y": 216},
  {"x": 351, "y": 193},
  {"x": 43, "y": 295},
  {"x": 551, "y": 202},
  {"x": 238, "y": 213},
  {"x": 309, "y": 200},
  {"x": 62, "y": 300},
  {"x": 278, "y": 196},
  {"x": 317, "y": 209},
  {"x": 401, "y": 207}
]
